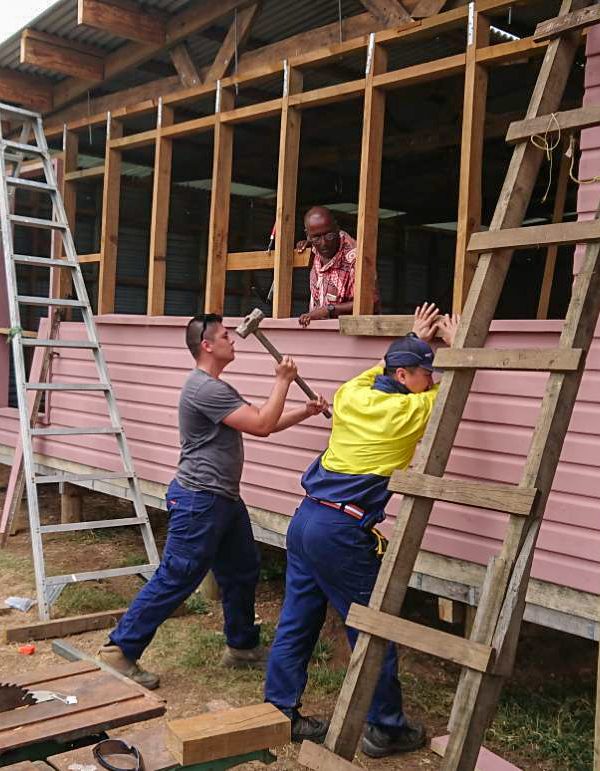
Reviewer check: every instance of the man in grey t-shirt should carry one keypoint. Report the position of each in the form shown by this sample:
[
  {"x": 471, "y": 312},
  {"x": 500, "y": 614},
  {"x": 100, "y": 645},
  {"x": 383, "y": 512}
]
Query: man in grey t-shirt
[{"x": 209, "y": 527}]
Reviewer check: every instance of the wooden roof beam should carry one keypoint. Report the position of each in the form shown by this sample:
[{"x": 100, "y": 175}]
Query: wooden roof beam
[
  {"x": 130, "y": 23},
  {"x": 387, "y": 11},
  {"x": 58, "y": 54},
  {"x": 196, "y": 17},
  {"x": 235, "y": 38},
  {"x": 184, "y": 64},
  {"x": 26, "y": 90}
]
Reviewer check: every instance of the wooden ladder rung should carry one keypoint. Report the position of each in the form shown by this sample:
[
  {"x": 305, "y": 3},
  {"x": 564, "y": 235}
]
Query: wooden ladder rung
[
  {"x": 557, "y": 234},
  {"x": 569, "y": 120},
  {"x": 445, "y": 646},
  {"x": 545, "y": 360},
  {"x": 570, "y": 22},
  {"x": 482, "y": 495}
]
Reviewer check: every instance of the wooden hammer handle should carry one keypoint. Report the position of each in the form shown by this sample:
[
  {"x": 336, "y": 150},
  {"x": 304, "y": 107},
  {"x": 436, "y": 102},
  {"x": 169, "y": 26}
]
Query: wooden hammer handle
[{"x": 278, "y": 357}]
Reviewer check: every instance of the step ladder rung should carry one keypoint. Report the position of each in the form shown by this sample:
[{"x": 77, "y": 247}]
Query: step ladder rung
[
  {"x": 44, "y": 262},
  {"x": 80, "y": 431},
  {"x": 535, "y": 236},
  {"x": 569, "y": 120},
  {"x": 36, "y": 222},
  {"x": 445, "y": 646},
  {"x": 41, "y": 479},
  {"x": 525, "y": 359},
  {"x": 57, "y": 301},
  {"x": 67, "y": 386},
  {"x": 98, "y": 574},
  {"x": 32, "y": 184},
  {"x": 94, "y": 525},
  {"x": 34, "y": 342},
  {"x": 21, "y": 148},
  {"x": 20, "y": 112},
  {"x": 482, "y": 495}
]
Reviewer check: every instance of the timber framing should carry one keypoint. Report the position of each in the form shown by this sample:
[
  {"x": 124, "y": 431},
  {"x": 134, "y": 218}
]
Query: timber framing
[{"x": 290, "y": 58}]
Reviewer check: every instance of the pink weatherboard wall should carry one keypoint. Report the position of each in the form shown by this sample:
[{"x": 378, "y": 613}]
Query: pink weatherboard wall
[{"x": 149, "y": 362}]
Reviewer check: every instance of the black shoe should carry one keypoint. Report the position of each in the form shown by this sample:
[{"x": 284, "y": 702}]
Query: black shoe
[
  {"x": 312, "y": 728},
  {"x": 378, "y": 743}
]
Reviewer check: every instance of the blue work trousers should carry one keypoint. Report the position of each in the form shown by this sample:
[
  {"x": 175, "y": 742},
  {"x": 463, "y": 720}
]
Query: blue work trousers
[
  {"x": 206, "y": 532},
  {"x": 329, "y": 558}
]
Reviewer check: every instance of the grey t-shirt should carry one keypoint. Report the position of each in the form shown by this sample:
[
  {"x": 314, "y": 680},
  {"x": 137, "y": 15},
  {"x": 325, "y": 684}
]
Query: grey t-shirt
[{"x": 212, "y": 454}]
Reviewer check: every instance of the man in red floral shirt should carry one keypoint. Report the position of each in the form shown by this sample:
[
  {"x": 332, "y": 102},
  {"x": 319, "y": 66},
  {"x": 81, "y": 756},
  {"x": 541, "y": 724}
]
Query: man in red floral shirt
[{"x": 332, "y": 271}]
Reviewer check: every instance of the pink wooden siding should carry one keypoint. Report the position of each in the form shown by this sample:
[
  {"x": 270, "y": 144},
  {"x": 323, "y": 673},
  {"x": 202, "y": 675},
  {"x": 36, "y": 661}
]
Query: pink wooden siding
[{"x": 148, "y": 363}]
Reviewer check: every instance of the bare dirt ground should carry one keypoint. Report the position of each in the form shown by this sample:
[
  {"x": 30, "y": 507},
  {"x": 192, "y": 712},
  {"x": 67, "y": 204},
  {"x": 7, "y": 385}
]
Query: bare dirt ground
[{"x": 545, "y": 721}]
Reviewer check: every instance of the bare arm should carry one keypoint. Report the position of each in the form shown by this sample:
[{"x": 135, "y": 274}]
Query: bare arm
[
  {"x": 297, "y": 415},
  {"x": 261, "y": 421}
]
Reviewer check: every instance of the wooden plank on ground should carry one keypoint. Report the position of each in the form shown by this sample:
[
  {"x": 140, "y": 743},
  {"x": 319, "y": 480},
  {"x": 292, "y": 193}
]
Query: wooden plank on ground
[
  {"x": 216, "y": 735},
  {"x": 483, "y": 495},
  {"x": 487, "y": 761},
  {"x": 151, "y": 742},
  {"x": 319, "y": 758},
  {"x": 371, "y": 155},
  {"x": 562, "y": 233},
  {"x": 287, "y": 184},
  {"x": 103, "y": 701},
  {"x": 376, "y": 326},
  {"x": 527, "y": 359},
  {"x": 61, "y": 627},
  {"x": 564, "y": 121},
  {"x": 28, "y": 765},
  {"x": 569, "y": 23},
  {"x": 421, "y": 638}
]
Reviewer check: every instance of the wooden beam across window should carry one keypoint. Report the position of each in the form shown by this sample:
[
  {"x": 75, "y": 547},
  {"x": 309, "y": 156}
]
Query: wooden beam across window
[
  {"x": 29, "y": 91},
  {"x": 120, "y": 20},
  {"x": 159, "y": 224},
  {"x": 220, "y": 202},
  {"x": 287, "y": 184},
  {"x": 370, "y": 182},
  {"x": 57, "y": 54},
  {"x": 264, "y": 260},
  {"x": 109, "y": 233}
]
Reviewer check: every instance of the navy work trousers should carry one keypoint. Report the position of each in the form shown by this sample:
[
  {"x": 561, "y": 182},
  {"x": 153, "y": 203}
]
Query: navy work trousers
[
  {"x": 206, "y": 532},
  {"x": 329, "y": 558}
]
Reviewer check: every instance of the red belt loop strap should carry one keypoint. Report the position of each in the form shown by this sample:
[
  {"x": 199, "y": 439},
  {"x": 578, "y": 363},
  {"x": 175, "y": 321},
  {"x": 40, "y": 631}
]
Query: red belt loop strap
[{"x": 347, "y": 508}]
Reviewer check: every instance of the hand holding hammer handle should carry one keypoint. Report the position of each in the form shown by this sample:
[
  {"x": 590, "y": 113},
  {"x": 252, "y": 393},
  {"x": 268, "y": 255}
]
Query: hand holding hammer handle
[{"x": 276, "y": 355}]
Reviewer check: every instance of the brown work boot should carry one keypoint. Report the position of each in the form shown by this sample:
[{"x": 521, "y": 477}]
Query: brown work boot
[
  {"x": 113, "y": 656},
  {"x": 240, "y": 658}
]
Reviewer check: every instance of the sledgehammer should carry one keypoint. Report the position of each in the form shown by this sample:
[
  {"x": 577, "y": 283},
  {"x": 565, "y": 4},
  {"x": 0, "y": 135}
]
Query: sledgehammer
[{"x": 249, "y": 326}]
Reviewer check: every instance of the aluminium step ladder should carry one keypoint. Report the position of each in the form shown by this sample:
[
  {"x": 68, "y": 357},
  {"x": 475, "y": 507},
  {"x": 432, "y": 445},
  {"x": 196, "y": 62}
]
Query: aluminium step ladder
[
  {"x": 30, "y": 393},
  {"x": 486, "y": 658}
]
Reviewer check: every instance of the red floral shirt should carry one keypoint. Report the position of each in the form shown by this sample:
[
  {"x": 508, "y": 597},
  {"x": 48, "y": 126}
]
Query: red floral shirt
[{"x": 333, "y": 283}]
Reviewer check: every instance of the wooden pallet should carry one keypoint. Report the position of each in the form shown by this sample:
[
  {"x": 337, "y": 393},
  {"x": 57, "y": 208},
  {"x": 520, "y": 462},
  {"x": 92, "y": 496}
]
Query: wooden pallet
[{"x": 488, "y": 656}]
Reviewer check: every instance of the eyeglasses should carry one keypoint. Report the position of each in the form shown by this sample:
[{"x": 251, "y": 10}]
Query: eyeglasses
[{"x": 332, "y": 235}]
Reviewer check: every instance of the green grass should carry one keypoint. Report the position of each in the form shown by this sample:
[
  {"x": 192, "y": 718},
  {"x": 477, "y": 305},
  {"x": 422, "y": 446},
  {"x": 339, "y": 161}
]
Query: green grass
[
  {"x": 197, "y": 603},
  {"x": 136, "y": 558},
  {"x": 88, "y": 598},
  {"x": 554, "y": 723},
  {"x": 11, "y": 563}
]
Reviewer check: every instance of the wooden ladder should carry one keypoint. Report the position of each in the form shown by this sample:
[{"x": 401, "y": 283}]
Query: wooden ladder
[{"x": 488, "y": 656}]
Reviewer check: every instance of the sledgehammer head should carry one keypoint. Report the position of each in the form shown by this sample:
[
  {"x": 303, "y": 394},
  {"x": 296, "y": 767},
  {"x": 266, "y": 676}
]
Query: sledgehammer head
[{"x": 250, "y": 323}]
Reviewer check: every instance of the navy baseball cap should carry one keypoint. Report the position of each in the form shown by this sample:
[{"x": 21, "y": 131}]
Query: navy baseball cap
[{"x": 409, "y": 352}]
